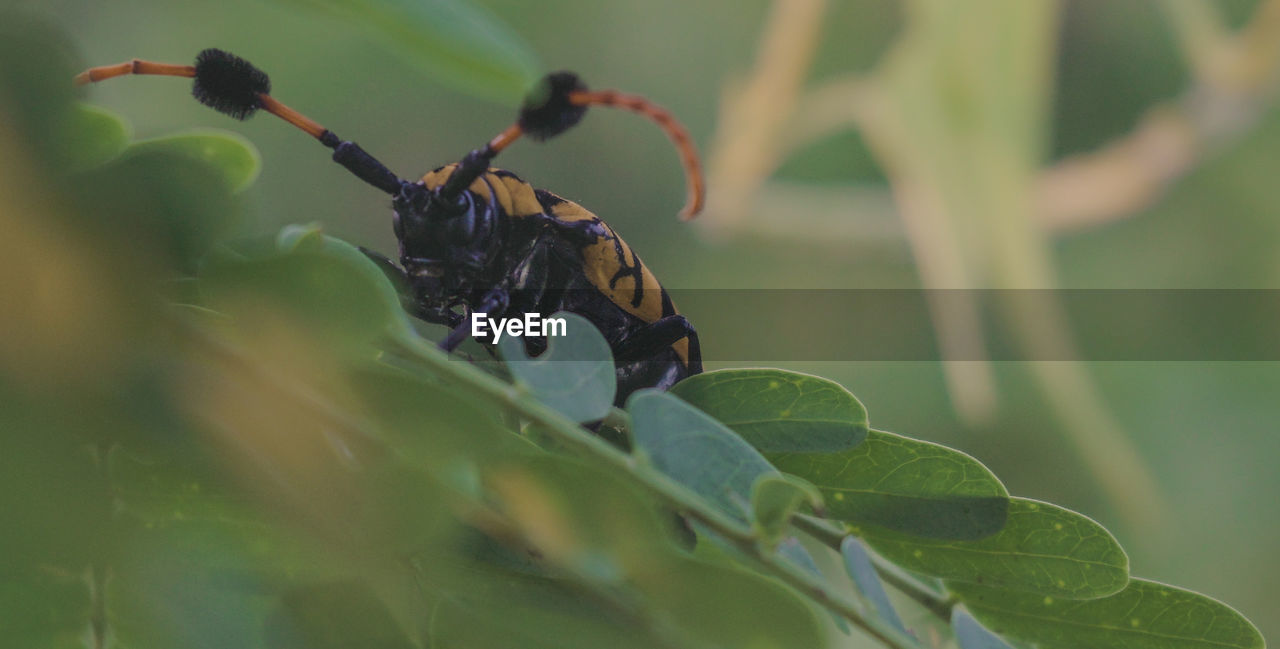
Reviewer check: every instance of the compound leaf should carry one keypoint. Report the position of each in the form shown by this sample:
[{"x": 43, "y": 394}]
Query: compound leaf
[
  {"x": 1043, "y": 549},
  {"x": 905, "y": 485},
  {"x": 779, "y": 411},
  {"x": 695, "y": 450},
  {"x": 1145, "y": 615},
  {"x": 575, "y": 375}
]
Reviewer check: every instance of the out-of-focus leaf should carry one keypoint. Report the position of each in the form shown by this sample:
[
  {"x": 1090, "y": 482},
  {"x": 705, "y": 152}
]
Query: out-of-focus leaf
[
  {"x": 36, "y": 65},
  {"x": 456, "y": 41},
  {"x": 184, "y": 510},
  {"x": 51, "y": 491},
  {"x": 230, "y": 154},
  {"x": 1043, "y": 549},
  {"x": 585, "y": 519},
  {"x": 972, "y": 635},
  {"x": 858, "y": 564},
  {"x": 774, "y": 498},
  {"x": 723, "y": 606},
  {"x": 156, "y": 200},
  {"x": 695, "y": 450},
  {"x": 44, "y": 608},
  {"x": 574, "y": 376},
  {"x": 429, "y": 425},
  {"x": 905, "y": 485},
  {"x": 1145, "y": 615},
  {"x": 94, "y": 136},
  {"x": 779, "y": 411},
  {"x": 335, "y": 615},
  {"x": 340, "y": 301},
  {"x": 505, "y": 610},
  {"x": 304, "y": 238}
]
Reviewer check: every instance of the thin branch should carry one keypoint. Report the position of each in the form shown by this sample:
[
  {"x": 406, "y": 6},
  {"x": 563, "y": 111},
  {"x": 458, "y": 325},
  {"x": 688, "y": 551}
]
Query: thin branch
[
  {"x": 753, "y": 114},
  {"x": 1234, "y": 82},
  {"x": 940, "y": 604},
  {"x": 1200, "y": 31}
]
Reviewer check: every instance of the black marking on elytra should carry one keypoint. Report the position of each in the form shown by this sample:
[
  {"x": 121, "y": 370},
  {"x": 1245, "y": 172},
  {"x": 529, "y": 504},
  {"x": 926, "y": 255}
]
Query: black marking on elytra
[{"x": 548, "y": 199}]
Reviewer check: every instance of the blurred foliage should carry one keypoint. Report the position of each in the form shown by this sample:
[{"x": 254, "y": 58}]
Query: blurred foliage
[{"x": 249, "y": 469}]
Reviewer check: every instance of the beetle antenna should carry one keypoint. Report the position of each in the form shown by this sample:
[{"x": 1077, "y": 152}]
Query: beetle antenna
[
  {"x": 697, "y": 188},
  {"x": 558, "y": 103},
  {"x": 235, "y": 87}
]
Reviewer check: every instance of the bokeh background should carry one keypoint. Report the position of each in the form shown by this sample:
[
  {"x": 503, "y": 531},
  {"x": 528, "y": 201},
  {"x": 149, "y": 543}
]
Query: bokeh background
[{"x": 1200, "y": 507}]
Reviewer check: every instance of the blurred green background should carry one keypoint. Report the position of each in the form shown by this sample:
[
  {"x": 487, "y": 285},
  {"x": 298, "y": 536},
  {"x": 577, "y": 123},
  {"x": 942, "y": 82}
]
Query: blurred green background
[{"x": 1206, "y": 430}]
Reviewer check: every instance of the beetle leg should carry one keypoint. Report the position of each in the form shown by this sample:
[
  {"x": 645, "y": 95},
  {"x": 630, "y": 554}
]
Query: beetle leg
[
  {"x": 495, "y": 301},
  {"x": 584, "y": 232},
  {"x": 653, "y": 338}
]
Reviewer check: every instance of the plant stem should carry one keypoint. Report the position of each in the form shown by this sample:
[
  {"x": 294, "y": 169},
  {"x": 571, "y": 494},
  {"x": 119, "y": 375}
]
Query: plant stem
[
  {"x": 832, "y": 535},
  {"x": 674, "y": 495}
]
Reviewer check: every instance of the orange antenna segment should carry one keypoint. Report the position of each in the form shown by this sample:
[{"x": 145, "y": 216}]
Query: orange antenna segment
[
  {"x": 136, "y": 66},
  {"x": 271, "y": 105},
  {"x": 505, "y": 138},
  {"x": 677, "y": 133}
]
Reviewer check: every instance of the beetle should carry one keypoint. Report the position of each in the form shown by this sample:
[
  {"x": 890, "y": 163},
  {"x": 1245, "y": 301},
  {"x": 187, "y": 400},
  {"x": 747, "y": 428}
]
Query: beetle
[{"x": 479, "y": 240}]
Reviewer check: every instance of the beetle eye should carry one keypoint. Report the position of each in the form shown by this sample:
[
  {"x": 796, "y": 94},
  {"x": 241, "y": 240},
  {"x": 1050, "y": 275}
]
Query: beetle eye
[{"x": 460, "y": 229}]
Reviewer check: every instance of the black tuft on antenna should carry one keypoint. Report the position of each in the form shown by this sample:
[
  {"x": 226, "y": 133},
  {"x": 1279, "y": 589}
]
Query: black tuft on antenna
[
  {"x": 229, "y": 84},
  {"x": 547, "y": 111}
]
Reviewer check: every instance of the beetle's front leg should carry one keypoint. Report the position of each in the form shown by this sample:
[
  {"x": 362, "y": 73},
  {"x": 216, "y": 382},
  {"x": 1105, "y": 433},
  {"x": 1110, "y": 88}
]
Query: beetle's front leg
[{"x": 495, "y": 301}]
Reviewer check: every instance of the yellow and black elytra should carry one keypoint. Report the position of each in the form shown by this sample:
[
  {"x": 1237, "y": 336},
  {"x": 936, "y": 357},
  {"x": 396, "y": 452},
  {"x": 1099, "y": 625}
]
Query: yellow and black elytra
[{"x": 474, "y": 239}]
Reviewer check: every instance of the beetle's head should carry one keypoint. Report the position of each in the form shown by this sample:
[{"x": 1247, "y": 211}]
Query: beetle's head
[{"x": 445, "y": 244}]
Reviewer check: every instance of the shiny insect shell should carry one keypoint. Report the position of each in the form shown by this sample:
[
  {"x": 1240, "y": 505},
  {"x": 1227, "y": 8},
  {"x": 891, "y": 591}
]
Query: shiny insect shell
[
  {"x": 507, "y": 249},
  {"x": 474, "y": 239}
]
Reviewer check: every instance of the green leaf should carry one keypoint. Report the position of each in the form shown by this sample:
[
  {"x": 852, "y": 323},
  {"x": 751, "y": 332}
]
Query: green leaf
[
  {"x": 588, "y": 520},
  {"x": 96, "y": 136},
  {"x": 430, "y": 425},
  {"x": 718, "y": 605},
  {"x": 334, "y": 615},
  {"x": 340, "y": 297},
  {"x": 774, "y": 498},
  {"x": 311, "y": 237},
  {"x": 779, "y": 411},
  {"x": 231, "y": 154},
  {"x": 972, "y": 635},
  {"x": 1043, "y": 549},
  {"x": 47, "y": 609},
  {"x": 455, "y": 41},
  {"x": 905, "y": 485},
  {"x": 1145, "y": 615},
  {"x": 574, "y": 376},
  {"x": 858, "y": 564},
  {"x": 50, "y": 491},
  {"x": 695, "y": 450},
  {"x": 183, "y": 510},
  {"x": 506, "y": 610},
  {"x": 156, "y": 198}
]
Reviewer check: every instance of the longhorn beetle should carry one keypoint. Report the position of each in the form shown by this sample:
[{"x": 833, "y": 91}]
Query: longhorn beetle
[{"x": 477, "y": 240}]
